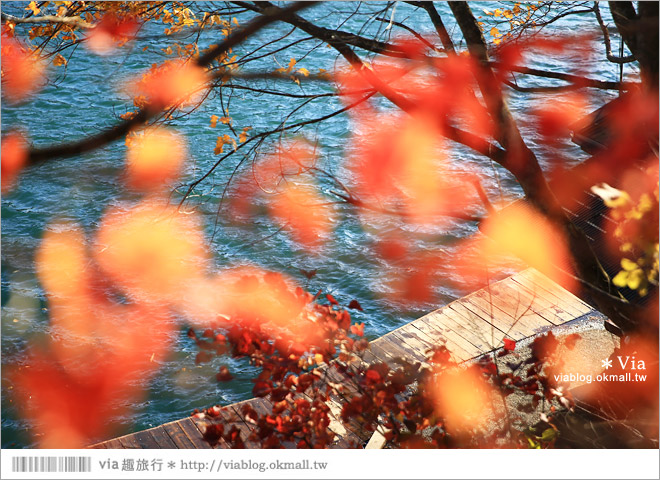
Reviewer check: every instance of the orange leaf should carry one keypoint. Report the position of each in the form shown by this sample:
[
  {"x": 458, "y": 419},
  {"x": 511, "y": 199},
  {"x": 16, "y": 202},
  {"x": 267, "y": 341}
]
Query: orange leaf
[
  {"x": 14, "y": 158},
  {"x": 463, "y": 398},
  {"x": 22, "y": 72},
  {"x": 59, "y": 60},
  {"x": 171, "y": 83},
  {"x": 154, "y": 159},
  {"x": 150, "y": 250},
  {"x": 522, "y": 232},
  {"x": 303, "y": 212},
  {"x": 111, "y": 32},
  {"x": 358, "y": 329}
]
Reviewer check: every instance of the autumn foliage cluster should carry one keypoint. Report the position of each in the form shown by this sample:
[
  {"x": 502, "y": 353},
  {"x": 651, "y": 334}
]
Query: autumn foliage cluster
[{"x": 116, "y": 297}]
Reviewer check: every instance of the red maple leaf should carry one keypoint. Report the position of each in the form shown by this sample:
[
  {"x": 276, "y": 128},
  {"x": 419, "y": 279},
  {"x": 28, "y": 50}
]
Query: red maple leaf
[{"x": 509, "y": 344}]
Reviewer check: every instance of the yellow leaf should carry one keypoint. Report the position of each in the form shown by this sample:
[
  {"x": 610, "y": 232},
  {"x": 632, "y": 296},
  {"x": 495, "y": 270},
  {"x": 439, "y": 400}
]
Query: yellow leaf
[
  {"x": 621, "y": 279},
  {"x": 628, "y": 265},
  {"x": 244, "y": 134},
  {"x": 645, "y": 203},
  {"x": 214, "y": 121},
  {"x": 303, "y": 71},
  {"x": 33, "y": 6},
  {"x": 234, "y": 21},
  {"x": 635, "y": 279},
  {"x": 222, "y": 141},
  {"x": 494, "y": 32},
  {"x": 59, "y": 60},
  {"x": 219, "y": 146}
]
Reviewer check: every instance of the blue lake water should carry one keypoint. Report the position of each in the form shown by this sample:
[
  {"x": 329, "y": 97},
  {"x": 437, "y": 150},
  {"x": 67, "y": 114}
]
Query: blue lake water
[{"x": 88, "y": 98}]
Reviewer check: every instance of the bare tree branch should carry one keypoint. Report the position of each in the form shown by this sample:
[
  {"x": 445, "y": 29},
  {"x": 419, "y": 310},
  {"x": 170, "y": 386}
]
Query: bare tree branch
[
  {"x": 438, "y": 24},
  {"x": 606, "y": 38},
  {"x": 73, "y": 21},
  {"x": 416, "y": 34},
  {"x": 347, "y": 38},
  {"x": 38, "y": 155},
  {"x": 583, "y": 81}
]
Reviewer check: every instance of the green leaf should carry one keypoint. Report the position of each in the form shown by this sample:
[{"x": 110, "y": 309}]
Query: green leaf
[
  {"x": 549, "y": 434},
  {"x": 533, "y": 443}
]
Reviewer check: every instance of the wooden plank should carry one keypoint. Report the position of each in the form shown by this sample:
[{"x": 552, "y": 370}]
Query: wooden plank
[
  {"x": 231, "y": 419},
  {"x": 440, "y": 333},
  {"x": 516, "y": 307},
  {"x": 542, "y": 285},
  {"x": 344, "y": 436},
  {"x": 351, "y": 434},
  {"x": 162, "y": 438},
  {"x": 358, "y": 434},
  {"x": 484, "y": 330},
  {"x": 388, "y": 352},
  {"x": 345, "y": 383},
  {"x": 193, "y": 433},
  {"x": 496, "y": 317},
  {"x": 512, "y": 305},
  {"x": 345, "y": 431},
  {"x": 114, "y": 444},
  {"x": 419, "y": 341},
  {"x": 178, "y": 436},
  {"x": 483, "y": 335},
  {"x": 145, "y": 439},
  {"x": 498, "y": 307},
  {"x": 475, "y": 332},
  {"x": 520, "y": 295},
  {"x": 128, "y": 441},
  {"x": 248, "y": 426},
  {"x": 415, "y": 352},
  {"x": 202, "y": 423},
  {"x": 441, "y": 329}
]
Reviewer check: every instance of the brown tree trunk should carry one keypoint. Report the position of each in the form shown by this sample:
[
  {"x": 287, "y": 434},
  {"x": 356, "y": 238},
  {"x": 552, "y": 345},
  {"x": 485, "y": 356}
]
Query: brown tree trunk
[
  {"x": 639, "y": 31},
  {"x": 523, "y": 164}
]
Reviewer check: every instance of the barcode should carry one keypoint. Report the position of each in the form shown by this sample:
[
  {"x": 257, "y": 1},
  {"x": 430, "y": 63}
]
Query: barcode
[{"x": 51, "y": 464}]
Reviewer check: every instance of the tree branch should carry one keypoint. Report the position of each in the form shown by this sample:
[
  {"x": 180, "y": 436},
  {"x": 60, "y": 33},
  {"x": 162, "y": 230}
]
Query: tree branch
[
  {"x": 73, "y": 21},
  {"x": 436, "y": 20},
  {"x": 38, "y": 155},
  {"x": 548, "y": 88},
  {"x": 416, "y": 34},
  {"x": 576, "y": 79},
  {"x": 347, "y": 38},
  {"x": 606, "y": 38},
  {"x": 468, "y": 139}
]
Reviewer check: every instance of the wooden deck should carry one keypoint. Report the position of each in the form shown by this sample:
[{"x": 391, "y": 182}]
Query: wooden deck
[{"x": 517, "y": 307}]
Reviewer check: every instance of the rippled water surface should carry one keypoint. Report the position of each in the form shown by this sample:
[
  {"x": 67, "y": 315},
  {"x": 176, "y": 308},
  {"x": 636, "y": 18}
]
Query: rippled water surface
[{"x": 88, "y": 98}]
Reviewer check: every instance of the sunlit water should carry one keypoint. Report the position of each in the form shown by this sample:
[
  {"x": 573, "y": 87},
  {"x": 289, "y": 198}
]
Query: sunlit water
[{"x": 88, "y": 98}]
